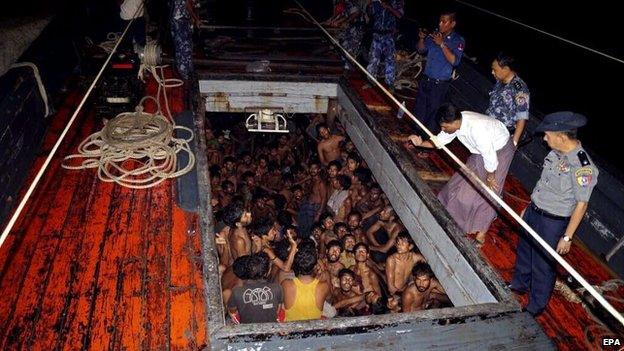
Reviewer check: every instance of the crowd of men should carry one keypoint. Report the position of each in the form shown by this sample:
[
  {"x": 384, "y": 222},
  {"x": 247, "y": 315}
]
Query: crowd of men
[{"x": 304, "y": 232}]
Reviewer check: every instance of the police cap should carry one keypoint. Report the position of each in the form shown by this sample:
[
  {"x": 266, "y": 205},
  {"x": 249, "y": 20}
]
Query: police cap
[{"x": 563, "y": 121}]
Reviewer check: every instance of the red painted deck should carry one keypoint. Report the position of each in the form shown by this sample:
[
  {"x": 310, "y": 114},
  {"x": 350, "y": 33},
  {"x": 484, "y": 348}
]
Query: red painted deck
[
  {"x": 566, "y": 323},
  {"x": 92, "y": 265}
]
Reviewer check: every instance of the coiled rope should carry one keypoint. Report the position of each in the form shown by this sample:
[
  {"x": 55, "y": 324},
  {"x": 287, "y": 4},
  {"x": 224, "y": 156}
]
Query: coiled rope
[
  {"x": 137, "y": 149},
  {"x": 131, "y": 139}
]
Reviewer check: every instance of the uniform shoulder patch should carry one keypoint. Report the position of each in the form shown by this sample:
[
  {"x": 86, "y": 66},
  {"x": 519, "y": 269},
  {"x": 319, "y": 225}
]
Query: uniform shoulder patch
[
  {"x": 583, "y": 158},
  {"x": 522, "y": 98},
  {"x": 584, "y": 176}
]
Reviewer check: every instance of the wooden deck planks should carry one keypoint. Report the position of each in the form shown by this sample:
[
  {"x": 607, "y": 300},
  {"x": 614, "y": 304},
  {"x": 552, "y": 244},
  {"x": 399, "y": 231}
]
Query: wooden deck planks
[{"x": 93, "y": 263}]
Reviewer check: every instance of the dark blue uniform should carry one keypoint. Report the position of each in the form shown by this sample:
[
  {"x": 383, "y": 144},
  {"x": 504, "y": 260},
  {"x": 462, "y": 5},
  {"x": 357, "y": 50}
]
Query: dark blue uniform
[
  {"x": 566, "y": 180},
  {"x": 351, "y": 38},
  {"x": 434, "y": 84},
  {"x": 182, "y": 34},
  {"x": 384, "y": 25}
]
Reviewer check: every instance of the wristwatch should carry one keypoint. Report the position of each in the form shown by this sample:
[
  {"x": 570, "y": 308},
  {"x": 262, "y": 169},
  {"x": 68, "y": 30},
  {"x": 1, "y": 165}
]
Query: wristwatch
[
  {"x": 443, "y": 45},
  {"x": 566, "y": 238}
]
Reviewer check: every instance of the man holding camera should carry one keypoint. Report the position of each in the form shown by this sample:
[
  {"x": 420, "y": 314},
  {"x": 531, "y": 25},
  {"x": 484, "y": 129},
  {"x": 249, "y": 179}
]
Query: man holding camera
[{"x": 444, "y": 49}]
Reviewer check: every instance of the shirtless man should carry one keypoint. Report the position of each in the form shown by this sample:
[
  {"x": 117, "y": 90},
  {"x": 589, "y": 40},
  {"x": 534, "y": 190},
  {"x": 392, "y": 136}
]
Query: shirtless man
[
  {"x": 328, "y": 267},
  {"x": 399, "y": 265},
  {"x": 349, "y": 299},
  {"x": 246, "y": 165},
  {"x": 248, "y": 188},
  {"x": 370, "y": 279},
  {"x": 236, "y": 218},
  {"x": 424, "y": 292},
  {"x": 228, "y": 172},
  {"x": 310, "y": 211},
  {"x": 295, "y": 200},
  {"x": 370, "y": 205},
  {"x": 380, "y": 232},
  {"x": 347, "y": 258},
  {"x": 354, "y": 220},
  {"x": 360, "y": 181},
  {"x": 353, "y": 162},
  {"x": 328, "y": 146},
  {"x": 263, "y": 234},
  {"x": 226, "y": 194},
  {"x": 285, "y": 150},
  {"x": 261, "y": 208},
  {"x": 333, "y": 170}
]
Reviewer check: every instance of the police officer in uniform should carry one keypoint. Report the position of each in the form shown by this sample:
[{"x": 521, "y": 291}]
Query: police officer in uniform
[
  {"x": 384, "y": 16},
  {"x": 444, "y": 50},
  {"x": 509, "y": 99},
  {"x": 557, "y": 206}
]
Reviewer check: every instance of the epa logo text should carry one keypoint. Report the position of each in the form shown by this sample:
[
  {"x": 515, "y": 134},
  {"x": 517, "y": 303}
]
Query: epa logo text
[{"x": 611, "y": 342}]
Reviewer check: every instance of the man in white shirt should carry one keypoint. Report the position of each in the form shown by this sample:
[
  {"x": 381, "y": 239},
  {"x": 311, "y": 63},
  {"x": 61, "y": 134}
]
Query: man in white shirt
[{"x": 492, "y": 152}]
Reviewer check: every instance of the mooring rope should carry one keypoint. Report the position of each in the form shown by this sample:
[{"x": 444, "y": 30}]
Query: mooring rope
[{"x": 474, "y": 178}]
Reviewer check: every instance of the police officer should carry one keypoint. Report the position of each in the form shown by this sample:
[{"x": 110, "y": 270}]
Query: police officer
[
  {"x": 557, "y": 206},
  {"x": 509, "y": 99},
  {"x": 351, "y": 20},
  {"x": 182, "y": 34},
  {"x": 444, "y": 49},
  {"x": 384, "y": 15}
]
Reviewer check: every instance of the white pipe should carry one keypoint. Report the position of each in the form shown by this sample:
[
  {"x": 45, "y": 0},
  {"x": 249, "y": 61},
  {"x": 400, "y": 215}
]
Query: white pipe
[{"x": 476, "y": 179}]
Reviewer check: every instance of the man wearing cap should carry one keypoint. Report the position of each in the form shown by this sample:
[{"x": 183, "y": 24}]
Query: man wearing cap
[{"x": 558, "y": 203}]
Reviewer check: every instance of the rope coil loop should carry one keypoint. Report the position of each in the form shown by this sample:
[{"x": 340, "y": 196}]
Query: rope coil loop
[{"x": 135, "y": 149}]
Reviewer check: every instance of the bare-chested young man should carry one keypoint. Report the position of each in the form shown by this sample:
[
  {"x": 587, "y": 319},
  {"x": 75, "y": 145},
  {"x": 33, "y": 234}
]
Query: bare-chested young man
[
  {"x": 349, "y": 299},
  {"x": 424, "y": 292},
  {"x": 367, "y": 275},
  {"x": 328, "y": 147},
  {"x": 399, "y": 265},
  {"x": 386, "y": 227},
  {"x": 226, "y": 194},
  {"x": 246, "y": 164},
  {"x": 237, "y": 218},
  {"x": 263, "y": 235},
  {"x": 311, "y": 209},
  {"x": 228, "y": 171},
  {"x": 333, "y": 170},
  {"x": 370, "y": 205}
]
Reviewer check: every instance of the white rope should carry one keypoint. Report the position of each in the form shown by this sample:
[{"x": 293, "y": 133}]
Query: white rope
[
  {"x": 42, "y": 90},
  {"x": 476, "y": 179},
  {"x": 135, "y": 138},
  {"x": 541, "y": 31},
  {"x": 46, "y": 163}
]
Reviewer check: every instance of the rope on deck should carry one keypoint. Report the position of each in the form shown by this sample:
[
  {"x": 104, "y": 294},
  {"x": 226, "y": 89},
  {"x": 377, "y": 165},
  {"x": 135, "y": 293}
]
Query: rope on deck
[{"x": 472, "y": 176}]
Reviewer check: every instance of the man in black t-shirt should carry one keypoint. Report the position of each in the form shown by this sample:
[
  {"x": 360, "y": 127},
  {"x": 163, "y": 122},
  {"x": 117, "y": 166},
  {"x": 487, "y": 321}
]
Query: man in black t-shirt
[{"x": 257, "y": 301}]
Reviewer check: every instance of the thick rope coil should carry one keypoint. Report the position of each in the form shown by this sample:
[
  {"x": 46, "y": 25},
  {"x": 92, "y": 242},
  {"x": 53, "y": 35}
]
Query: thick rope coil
[{"x": 135, "y": 149}]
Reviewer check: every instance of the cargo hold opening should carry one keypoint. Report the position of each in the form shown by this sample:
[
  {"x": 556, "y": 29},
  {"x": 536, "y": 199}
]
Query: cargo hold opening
[{"x": 473, "y": 288}]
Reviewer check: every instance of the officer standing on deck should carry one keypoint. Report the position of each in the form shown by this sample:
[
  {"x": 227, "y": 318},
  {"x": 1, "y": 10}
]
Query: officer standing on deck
[
  {"x": 557, "y": 206},
  {"x": 384, "y": 15},
  {"x": 444, "y": 49},
  {"x": 509, "y": 99}
]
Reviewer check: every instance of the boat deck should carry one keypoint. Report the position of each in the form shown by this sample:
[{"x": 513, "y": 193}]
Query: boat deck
[{"x": 91, "y": 265}]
